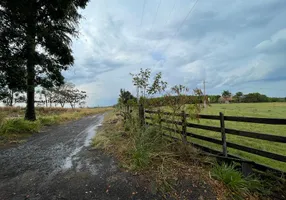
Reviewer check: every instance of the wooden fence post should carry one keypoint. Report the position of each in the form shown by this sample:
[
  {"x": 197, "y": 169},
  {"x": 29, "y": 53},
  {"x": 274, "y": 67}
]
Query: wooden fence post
[
  {"x": 141, "y": 114},
  {"x": 223, "y": 136},
  {"x": 160, "y": 118},
  {"x": 184, "y": 127}
]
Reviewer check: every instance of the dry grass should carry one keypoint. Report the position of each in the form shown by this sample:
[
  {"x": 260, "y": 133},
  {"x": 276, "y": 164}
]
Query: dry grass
[{"x": 14, "y": 129}]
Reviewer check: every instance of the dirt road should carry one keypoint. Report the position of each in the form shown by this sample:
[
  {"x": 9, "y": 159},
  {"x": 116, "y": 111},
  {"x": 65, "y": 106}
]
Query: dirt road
[{"x": 59, "y": 164}]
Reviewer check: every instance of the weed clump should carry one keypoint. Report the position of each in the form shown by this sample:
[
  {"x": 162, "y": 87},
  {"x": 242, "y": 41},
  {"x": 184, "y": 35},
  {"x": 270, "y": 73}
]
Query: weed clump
[{"x": 233, "y": 179}]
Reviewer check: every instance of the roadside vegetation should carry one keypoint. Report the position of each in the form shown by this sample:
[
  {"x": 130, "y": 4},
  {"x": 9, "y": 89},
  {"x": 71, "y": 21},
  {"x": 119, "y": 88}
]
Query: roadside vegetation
[
  {"x": 166, "y": 165},
  {"x": 172, "y": 167},
  {"x": 14, "y": 129}
]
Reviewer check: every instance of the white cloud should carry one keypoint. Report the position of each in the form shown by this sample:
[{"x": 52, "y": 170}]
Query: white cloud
[{"x": 277, "y": 42}]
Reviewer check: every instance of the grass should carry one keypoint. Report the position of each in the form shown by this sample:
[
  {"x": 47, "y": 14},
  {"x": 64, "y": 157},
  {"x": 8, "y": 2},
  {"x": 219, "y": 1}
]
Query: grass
[
  {"x": 164, "y": 163},
  {"x": 238, "y": 185},
  {"x": 146, "y": 152},
  {"x": 14, "y": 129},
  {"x": 269, "y": 110}
]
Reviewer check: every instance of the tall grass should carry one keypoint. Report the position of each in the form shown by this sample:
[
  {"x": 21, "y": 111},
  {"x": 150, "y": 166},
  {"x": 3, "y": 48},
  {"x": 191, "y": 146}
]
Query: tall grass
[
  {"x": 18, "y": 126},
  {"x": 240, "y": 186},
  {"x": 145, "y": 150}
]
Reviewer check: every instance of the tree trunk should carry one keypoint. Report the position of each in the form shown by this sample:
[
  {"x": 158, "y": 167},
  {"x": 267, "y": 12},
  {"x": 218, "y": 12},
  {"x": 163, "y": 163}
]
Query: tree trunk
[
  {"x": 46, "y": 101},
  {"x": 11, "y": 99},
  {"x": 30, "y": 109}
]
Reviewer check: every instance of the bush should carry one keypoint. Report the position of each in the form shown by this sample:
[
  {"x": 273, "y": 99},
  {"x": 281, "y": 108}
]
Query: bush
[{"x": 234, "y": 180}]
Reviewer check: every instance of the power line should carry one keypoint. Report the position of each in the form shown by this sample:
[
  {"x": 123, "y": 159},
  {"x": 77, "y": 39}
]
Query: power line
[
  {"x": 171, "y": 12},
  {"x": 184, "y": 20},
  {"x": 143, "y": 10},
  {"x": 156, "y": 14},
  {"x": 205, "y": 102},
  {"x": 189, "y": 13}
]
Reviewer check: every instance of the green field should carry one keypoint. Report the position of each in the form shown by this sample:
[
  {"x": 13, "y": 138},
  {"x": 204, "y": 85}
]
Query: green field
[{"x": 269, "y": 110}]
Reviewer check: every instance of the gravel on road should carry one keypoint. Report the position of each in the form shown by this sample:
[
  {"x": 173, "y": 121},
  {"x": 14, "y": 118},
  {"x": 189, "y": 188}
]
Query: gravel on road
[{"x": 58, "y": 163}]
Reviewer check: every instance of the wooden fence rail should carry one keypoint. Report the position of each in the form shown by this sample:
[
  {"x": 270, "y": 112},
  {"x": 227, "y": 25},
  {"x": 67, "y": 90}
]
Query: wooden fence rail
[{"x": 224, "y": 132}]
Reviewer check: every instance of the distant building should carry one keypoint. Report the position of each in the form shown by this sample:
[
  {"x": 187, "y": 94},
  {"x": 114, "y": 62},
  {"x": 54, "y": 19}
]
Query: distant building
[{"x": 226, "y": 99}]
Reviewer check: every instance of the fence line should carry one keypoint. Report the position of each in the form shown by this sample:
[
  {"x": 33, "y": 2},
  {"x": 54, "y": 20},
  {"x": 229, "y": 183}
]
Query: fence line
[{"x": 224, "y": 131}]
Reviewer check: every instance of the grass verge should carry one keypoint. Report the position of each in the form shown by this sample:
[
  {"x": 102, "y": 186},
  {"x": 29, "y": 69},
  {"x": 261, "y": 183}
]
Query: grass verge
[
  {"x": 15, "y": 130},
  {"x": 167, "y": 165}
]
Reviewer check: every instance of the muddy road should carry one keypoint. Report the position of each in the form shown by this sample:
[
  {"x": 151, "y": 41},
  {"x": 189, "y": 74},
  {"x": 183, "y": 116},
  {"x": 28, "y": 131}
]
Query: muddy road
[{"x": 58, "y": 163}]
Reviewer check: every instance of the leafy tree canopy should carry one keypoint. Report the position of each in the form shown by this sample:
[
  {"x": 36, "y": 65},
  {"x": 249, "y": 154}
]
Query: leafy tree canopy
[{"x": 35, "y": 40}]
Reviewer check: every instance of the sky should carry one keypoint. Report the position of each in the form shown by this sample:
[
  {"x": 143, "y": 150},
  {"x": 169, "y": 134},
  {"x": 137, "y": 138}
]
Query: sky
[{"x": 233, "y": 45}]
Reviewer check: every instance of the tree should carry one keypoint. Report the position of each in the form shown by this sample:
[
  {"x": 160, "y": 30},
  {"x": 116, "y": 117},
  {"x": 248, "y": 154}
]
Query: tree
[
  {"x": 226, "y": 93},
  {"x": 142, "y": 82},
  {"x": 214, "y": 98},
  {"x": 62, "y": 93},
  {"x": 11, "y": 85},
  {"x": 9, "y": 97},
  {"x": 37, "y": 34},
  {"x": 124, "y": 100},
  {"x": 238, "y": 96},
  {"x": 75, "y": 96},
  {"x": 255, "y": 97}
]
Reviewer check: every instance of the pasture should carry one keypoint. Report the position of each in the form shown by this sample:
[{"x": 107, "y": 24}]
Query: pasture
[{"x": 267, "y": 110}]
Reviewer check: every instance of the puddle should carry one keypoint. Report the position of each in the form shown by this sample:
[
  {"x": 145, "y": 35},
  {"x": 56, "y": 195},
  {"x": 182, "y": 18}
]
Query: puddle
[
  {"x": 68, "y": 160},
  {"x": 91, "y": 131},
  {"x": 89, "y": 134}
]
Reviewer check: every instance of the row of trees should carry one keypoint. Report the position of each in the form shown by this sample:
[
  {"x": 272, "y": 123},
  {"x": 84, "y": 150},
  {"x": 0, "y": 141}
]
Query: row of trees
[
  {"x": 239, "y": 97},
  {"x": 35, "y": 45},
  {"x": 54, "y": 96},
  {"x": 66, "y": 93}
]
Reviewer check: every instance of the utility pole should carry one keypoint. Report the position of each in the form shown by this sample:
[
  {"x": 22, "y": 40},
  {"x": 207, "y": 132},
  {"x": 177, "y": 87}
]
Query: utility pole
[
  {"x": 205, "y": 98},
  {"x": 137, "y": 94}
]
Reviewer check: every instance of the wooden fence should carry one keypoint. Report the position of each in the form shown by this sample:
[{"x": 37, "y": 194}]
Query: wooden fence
[{"x": 247, "y": 165}]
